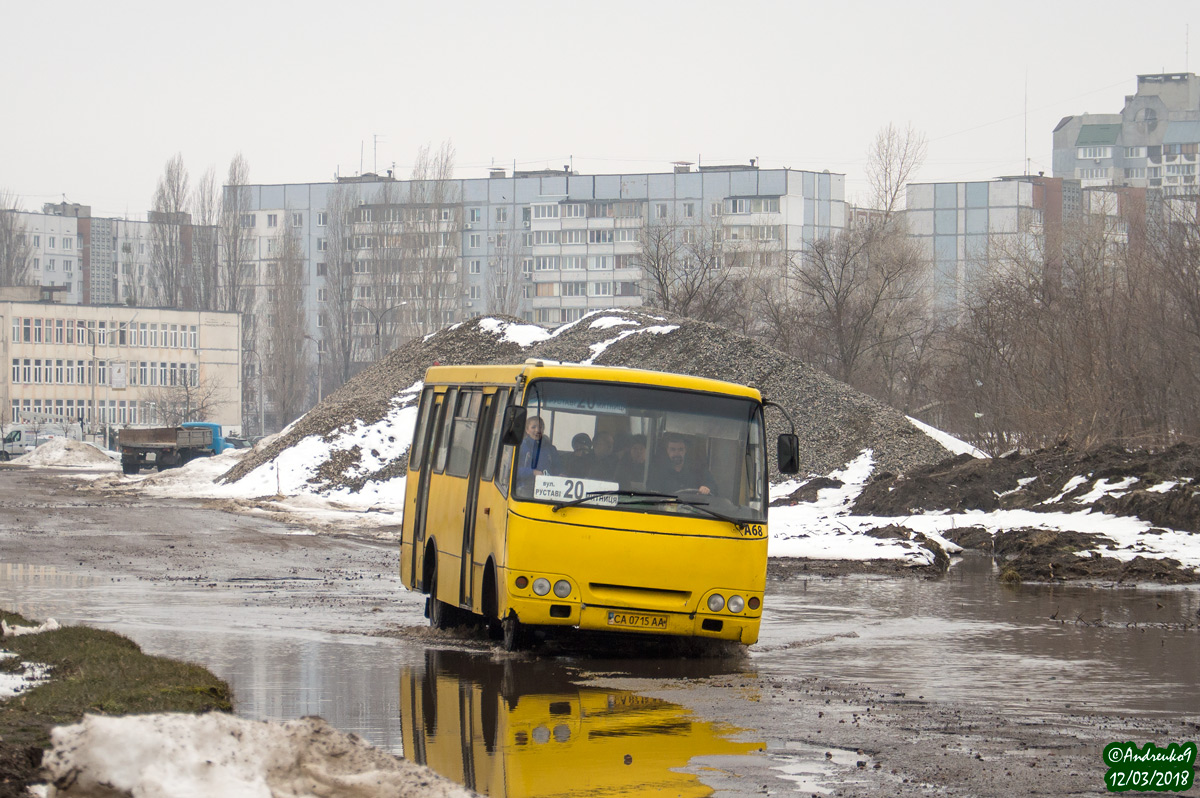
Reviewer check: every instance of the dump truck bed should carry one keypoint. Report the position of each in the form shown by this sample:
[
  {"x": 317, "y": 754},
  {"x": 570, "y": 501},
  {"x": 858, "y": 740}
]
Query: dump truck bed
[{"x": 165, "y": 437}]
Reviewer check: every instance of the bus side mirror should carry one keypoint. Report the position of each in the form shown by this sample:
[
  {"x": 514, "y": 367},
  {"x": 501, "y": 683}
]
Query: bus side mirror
[
  {"x": 514, "y": 426},
  {"x": 789, "y": 453}
]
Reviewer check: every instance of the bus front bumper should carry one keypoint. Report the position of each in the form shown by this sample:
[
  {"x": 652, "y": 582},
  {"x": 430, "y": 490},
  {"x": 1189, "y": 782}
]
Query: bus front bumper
[{"x": 719, "y": 626}]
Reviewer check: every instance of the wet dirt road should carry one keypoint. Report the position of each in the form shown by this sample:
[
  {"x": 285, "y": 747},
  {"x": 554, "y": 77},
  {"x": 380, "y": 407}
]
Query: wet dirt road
[{"x": 958, "y": 686}]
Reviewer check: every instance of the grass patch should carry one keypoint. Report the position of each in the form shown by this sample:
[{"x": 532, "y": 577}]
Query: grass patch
[{"x": 99, "y": 672}]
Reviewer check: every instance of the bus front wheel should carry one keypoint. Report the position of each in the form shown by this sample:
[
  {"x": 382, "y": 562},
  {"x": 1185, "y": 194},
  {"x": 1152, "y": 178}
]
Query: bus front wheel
[{"x": 516, "y": 634}]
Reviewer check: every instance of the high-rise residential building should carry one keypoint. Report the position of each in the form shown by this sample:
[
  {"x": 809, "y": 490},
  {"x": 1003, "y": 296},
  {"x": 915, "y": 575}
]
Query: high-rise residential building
[
  {"x": 545, "y": 246},
  {"x": 99, "y": 260},
  {"x": 965, "y": 229},
  {"x": 1154, "y": 142}
]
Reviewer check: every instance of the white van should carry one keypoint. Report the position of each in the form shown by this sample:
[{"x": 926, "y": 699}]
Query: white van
[{"x": 20, "y": 439}]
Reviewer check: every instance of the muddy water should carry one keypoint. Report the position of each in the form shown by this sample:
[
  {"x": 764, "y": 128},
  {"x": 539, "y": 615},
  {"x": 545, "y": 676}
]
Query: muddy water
[
  {"x": 515, "y": 726},
  {"x": 968, "y": 637}
]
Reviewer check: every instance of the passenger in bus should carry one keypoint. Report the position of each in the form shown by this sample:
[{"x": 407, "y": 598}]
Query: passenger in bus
[
  {"x": 581, "y": 463},
  {"x": 632, "y": 465},
  {"x": 604, "y": 459},
  {"x": 537, "y": 455},
  {"x": 675, "y": 474}
]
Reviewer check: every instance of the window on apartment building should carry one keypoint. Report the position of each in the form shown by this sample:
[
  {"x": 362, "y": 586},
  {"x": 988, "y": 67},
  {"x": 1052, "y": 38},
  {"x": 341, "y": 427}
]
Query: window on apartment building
[
  {"x": 574, "y": 210},
  {"x": 1135, "y": 152},
  {"x": 37, "y": 264},
  {"x": 247, "y": 221},
  {"x": 600, "y": 262},
  {"x": 297, "y": 220},
  {"x": 475, "y": 266},
  {"x": 545, "y": 263},
  {"x": 37, "y": 241},
  {"x": 574, "y": 289},
  {"x": 602, "y": 289},
  {"x": 322, "y": 219},
  {"x": 526, "y": 265},
  {"x": 501, "y": 214},
  {"x": 68, "y": 265},
  {"x": 545, "y": 211},
  {"x": 574, "y": 262},
  {"x": 474, "y": 240},
  {"x": 1095, "y": 152},
  {"x": 52, "y": 243},
  {"x": 600, "y": 236},
  {"x": 50, "y": 265},
  {"x": 16, "y": 369},
  {"x": 473, "y": 292},
  {"x": 573, "y": 237},
  {"x": 689, "y": 210},
  {"x": 37, "y": 331},
  {"x": 475, "y": 215},
  {"x": 322, "y": 245},
  {"x": 714, "y": 209},
  {"x": 68, "y": 243},
  {"x": 320, "y": 268},
  {"x": 1098, "y": 173},
  {"x": 547, "y": 289},
  {"x": 660, "y": 210},
  {"x": 628, "y": 235},
  {"x": 360, "y": 267},
  {"x": 542, "y": 237},
  {"x": 366, "y": 214},
  {"x": 501, "y": 241},
  {"x": 1135, "y": 173}
]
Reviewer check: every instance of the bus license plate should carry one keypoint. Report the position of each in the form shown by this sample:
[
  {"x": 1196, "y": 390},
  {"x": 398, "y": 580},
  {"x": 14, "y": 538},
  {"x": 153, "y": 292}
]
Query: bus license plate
[{"x": 635, "y": 620}]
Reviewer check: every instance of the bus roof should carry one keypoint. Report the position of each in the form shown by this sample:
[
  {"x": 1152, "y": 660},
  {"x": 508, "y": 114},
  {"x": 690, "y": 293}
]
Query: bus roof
[{"x": 543, "y": 369}]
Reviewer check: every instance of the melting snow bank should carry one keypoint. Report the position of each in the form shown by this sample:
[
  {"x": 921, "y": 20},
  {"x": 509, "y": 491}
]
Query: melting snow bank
[
  {"x": 16, "y": 680},
  {"x": 216, "y": 754},
  {"x": 64, "y": 452}
]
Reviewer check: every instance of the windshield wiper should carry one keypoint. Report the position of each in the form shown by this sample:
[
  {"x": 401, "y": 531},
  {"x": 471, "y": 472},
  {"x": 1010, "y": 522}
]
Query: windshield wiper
[
  {"x": 656, "y": 498},
  {"x": 596, "y": 493},
  {"x": 703, "y": 507}
]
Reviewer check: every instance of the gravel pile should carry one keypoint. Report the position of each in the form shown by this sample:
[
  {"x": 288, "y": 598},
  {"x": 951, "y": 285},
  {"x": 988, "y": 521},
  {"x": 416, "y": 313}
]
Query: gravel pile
[{"x": 834, "y": 422}]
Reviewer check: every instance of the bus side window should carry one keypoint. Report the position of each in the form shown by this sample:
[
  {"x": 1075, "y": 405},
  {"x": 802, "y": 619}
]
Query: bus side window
[
  {"x": 462, "y": 435},
  {"x": 416, "y": 452},
  {"x": 445, "y": 424},
  {"x": 491, "y": 464}
]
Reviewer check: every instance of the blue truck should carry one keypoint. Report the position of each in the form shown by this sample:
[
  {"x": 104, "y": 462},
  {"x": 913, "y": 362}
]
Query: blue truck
[{"x": 169, "y": 447}]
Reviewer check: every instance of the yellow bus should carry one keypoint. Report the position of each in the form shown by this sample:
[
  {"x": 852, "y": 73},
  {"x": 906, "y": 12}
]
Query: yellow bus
[
  {"x": 518, "y": 730},
  {"x": 551, "y": 495}
]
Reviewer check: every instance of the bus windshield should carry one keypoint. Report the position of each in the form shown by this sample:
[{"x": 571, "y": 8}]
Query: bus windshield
[{"x": 645, "y": 449}]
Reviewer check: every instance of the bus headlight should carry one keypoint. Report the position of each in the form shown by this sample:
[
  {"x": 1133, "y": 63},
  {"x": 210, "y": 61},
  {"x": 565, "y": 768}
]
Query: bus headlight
[
  {"x": 541, "y": 586},
  {"x": 736, "y": 604},
  {"x": 562, "y": 588},
  {"x": 715, "y": 602}
]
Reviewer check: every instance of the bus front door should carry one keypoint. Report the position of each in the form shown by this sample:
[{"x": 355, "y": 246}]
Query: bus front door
[
  {"x": 421, "y": 500},
  {"x": 466, "y": 582}
]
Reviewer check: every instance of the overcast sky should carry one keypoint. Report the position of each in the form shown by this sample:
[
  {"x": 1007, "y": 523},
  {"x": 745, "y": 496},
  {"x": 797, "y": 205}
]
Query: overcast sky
[{"x": 98, "y": 96}]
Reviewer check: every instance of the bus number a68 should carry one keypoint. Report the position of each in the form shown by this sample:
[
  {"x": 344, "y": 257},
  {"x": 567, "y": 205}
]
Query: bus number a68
[{"x": 753, "y": 531}]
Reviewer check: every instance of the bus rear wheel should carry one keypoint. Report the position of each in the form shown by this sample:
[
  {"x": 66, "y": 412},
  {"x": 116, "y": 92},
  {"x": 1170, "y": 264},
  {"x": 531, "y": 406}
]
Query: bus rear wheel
[{"x": 516, "y": 634}]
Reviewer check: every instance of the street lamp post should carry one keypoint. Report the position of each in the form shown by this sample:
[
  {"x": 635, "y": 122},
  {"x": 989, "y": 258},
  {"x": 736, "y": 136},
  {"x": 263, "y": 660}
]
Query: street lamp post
[{"x": 378, "y": 319}]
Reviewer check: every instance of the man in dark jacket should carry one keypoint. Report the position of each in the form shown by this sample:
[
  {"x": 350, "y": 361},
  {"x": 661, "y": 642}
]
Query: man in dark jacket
[{"x": 675, "y": 475}]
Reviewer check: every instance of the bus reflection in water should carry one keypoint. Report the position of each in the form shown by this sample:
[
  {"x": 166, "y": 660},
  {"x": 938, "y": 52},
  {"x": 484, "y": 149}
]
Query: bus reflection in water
[{"x": 520, "y": 729}]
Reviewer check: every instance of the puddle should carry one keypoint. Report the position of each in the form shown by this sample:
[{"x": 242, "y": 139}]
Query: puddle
[
  {"x": 510, "y": 727},
  {"x": 966, "y": 636}
]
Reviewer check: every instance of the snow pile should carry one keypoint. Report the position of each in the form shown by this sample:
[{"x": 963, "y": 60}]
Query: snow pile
[
  {"x": 16, "y": 631},
  {"x": 220, "y": 755},
  {"x": 64, "y": 452},
  {"x": 28, "y": 675}
]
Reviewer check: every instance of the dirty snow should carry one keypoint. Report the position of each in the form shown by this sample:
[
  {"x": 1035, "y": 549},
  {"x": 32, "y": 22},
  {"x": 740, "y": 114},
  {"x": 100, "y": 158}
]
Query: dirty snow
[
  {"x": 218, "y": 754},
  {"x": 27, "y": 677},
  {"x": 523, "y": 335},
  {"x": 66, "y": 453},
  {"x": 598, "y": 349},
  {"x": 947, "y": 440}
]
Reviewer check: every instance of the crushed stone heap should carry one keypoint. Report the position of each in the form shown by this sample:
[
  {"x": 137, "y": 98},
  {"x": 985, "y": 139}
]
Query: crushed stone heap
[{"x": 834, "y": 422}]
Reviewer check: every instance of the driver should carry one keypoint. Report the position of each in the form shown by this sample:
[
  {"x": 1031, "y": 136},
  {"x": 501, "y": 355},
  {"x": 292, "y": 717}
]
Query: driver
[{"x": 674, "y": 475}]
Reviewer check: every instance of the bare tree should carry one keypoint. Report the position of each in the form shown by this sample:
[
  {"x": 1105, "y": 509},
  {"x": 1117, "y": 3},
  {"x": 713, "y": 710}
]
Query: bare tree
[
  {"x": 337, "y": 300},
  {"x": 893, "y": 159},
  {"x": 431, "y": 239},
  {"x": 16, "y": 248},
  {"x": 191, "y": 398},
  {"x": 169, "y": 236},
  {"x": 234, "y": 289},
  {"x": 206, "y": 210},
  {"x": 286, "y": 363},
  {"x": 503, "y": 283},
  {"x": 690, "y": 269}
]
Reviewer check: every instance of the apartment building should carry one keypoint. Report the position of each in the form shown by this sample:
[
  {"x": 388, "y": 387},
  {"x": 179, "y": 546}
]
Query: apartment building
[
  {"x": 1153, "y": 142},
  {"x": 546, "y": 246},
  {"x": 98, "y": 260},
  {"x": 112, "y": 366},
  {"x": 965, "y": 229}
]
